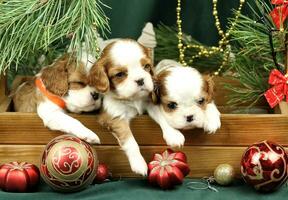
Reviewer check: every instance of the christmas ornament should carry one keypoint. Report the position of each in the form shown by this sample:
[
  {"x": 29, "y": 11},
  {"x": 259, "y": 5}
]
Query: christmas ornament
[
  {"x": 264, "y": 166},
  {"x": 102, "y": 173},
  {"x": 279, "y": 13},
  {"x": 168, "y": 169},
  {"x": 279, "y": 88},
  {"x": 224, "y": 174},
  {"x": 68, "y": 164},
  {"x": 18, "y": 177}
]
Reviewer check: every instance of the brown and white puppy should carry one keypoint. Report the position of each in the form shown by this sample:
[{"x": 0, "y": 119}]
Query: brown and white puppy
[
  {"x": 184, "y": 100},
  {"x": 123, "y": 73},
  {"x": 61, "y": 86}
]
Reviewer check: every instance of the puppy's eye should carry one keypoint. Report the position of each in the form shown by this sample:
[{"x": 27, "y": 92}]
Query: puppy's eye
[
  {"x": 120, "y": 74},
  {"x": 172, "y": 105},
  {"x": 147, "y": 67},
  {"x": 201, "y": 101}
]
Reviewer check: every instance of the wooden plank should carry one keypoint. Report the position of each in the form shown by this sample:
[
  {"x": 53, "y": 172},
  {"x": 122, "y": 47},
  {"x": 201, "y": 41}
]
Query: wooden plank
[
  {"x": 202, "y": 160},
  {"x": 236, "y": 130},
  {"x": 283, "y": 107}
]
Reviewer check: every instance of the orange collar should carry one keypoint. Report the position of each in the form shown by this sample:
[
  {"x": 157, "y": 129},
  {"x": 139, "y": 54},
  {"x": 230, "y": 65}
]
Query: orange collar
[{"x": 52, "y": 97}]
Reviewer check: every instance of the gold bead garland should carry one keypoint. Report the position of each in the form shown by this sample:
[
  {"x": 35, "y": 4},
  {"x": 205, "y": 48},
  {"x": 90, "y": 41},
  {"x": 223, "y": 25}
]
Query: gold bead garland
[
  {"x": 207, "y": 51},
  {"x": 180, "y": 44}
]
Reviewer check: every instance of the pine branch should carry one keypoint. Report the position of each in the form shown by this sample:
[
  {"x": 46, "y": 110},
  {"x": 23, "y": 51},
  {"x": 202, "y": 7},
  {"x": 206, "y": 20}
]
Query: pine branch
[
  {"x": 253, "y": 57},
  {"x": 31, "y": 26},
  {"x": 252, "y": 78}
]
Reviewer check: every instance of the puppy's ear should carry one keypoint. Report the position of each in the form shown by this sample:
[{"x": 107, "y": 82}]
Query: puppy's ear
[
  {"x": 209, "y": 87},
  {"x": 155, "y": 94},
  {"x": 55, "y": 77},
  {"x": 149, "y": 52},
  {"x": 98, "y": 77}
]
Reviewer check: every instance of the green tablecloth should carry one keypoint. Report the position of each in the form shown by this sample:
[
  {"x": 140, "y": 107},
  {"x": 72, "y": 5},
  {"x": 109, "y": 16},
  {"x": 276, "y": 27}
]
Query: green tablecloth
[{"x": 139, "y": 189}]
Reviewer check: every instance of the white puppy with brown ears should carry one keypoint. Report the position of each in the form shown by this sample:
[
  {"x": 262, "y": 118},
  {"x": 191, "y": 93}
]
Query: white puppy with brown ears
[
  {"x": 183, "y": 99},
  {"x": 59, "y": 87},
  {"x": 124, "y": 73}
]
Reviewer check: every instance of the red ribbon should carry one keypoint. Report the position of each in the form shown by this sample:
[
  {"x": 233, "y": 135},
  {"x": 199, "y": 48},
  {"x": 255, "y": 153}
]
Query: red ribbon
[
  {"x": 279, "y": 88},
  {"x": 280, "y": 12}
]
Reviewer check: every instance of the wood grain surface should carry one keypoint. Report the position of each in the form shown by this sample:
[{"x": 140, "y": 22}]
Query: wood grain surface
[
  {"x": 236, "y": 130},
  {"x": 202, "y": 160}
]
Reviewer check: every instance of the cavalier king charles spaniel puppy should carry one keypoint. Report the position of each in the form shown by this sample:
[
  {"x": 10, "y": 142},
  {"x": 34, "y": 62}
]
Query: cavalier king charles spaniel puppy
[
  {"x": 124, "y": 73},
  {"x": 183, "y": 99},
  {"x": 59, "y": 87}
]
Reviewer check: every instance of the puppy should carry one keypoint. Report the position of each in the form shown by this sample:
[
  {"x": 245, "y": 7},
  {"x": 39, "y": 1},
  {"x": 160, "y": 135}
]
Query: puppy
[
  {"x": 124, "y": 74},
  {"x": 183, "y": 99},
  {"x": 61, "y": 86}
]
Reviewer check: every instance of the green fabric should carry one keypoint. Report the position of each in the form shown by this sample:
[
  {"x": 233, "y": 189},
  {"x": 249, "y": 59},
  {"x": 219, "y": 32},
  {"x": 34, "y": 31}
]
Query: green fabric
[
  {"x": 139, "y": 189},
  {"x": 127, "y": 17}
]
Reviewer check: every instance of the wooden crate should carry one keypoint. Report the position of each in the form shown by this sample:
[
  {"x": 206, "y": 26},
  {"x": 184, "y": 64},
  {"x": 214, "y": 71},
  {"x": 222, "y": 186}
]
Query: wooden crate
[{"x": 23, "y": 137}]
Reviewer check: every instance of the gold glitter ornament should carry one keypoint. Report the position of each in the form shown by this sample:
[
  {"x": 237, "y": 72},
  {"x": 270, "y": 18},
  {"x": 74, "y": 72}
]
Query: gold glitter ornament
[{"x": 224, "y": 174}]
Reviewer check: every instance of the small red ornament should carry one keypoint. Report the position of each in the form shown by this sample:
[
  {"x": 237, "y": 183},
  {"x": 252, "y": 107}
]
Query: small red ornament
[
  {"x": 168, "y": 169},
  {"x": 102, "y": 173},
  {"x": 264, "y": 166},
  {"x": 68, "y": 164},
  {"x": 18, "y": 177}
]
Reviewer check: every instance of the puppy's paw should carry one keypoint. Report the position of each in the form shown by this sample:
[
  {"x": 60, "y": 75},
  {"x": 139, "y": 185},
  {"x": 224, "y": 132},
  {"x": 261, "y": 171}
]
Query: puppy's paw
[
  {"x": 174, "y": 137},
  {"x": 138, "y": 165},
  {"x": 89, "y": 136},
  {"x": 92, "y": 139},
  {"x": 212, "y": 126}
]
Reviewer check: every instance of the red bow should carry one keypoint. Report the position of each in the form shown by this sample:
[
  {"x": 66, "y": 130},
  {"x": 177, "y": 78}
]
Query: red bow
[
  {"x": 279, "y": 90},
  {"x": 280, "y": 12}
]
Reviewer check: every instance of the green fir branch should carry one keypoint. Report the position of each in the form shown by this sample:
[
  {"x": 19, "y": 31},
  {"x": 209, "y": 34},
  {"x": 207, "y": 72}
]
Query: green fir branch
[
  {"x": 253, "y": 56},
  {"x": 28, "y": 27}
]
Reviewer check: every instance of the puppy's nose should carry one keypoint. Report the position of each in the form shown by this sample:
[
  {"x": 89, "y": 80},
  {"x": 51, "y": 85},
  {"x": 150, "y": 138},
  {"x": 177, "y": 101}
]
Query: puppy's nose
[
  {"x": 95, "y": 95},
  {"x": 140, "y": 82},
  {"x": 189, "y": 118}
]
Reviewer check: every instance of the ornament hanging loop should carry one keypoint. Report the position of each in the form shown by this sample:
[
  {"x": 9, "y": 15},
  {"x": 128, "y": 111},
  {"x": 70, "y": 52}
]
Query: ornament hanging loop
[{"x": 203, "y": 184}]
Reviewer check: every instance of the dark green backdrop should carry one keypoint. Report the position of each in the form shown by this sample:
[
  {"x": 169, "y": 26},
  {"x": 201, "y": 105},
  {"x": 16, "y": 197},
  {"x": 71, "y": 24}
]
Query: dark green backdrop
[{"x": 127, "y": 17}]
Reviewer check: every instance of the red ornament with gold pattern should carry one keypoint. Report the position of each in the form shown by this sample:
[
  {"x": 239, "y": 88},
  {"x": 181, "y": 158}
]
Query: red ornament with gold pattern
[
  {"x": 68, "y": 164},
  {"x": 18, "y": 177},
  {"x": 264, "y": 166},
  {"x": 168, "y": 169}
]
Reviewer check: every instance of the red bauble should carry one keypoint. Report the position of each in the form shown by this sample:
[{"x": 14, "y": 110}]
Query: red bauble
[
  {"x": 18, "y": 177},
  {"x": 68, "y": 164},
  {"x": 264, "y": 166},
  {"x": 102, "y": 173},
  {"x": 168, "y": 169}
]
